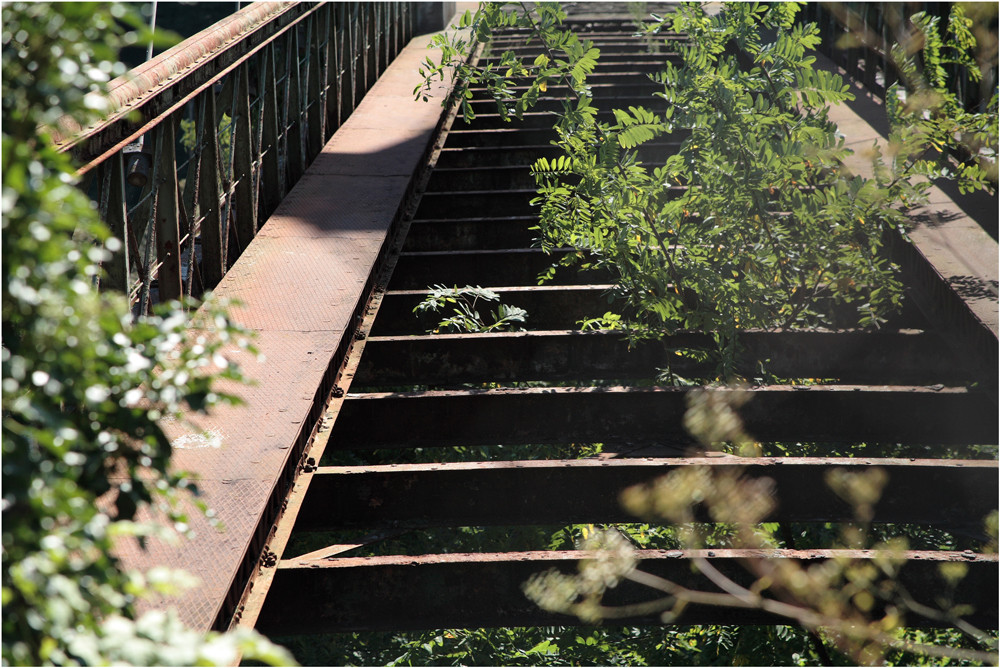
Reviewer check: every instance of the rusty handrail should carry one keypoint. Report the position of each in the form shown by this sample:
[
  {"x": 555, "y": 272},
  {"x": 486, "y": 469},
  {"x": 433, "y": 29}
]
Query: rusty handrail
[
  {"x": 205, "y": 139},
  {"x": 173, "y": 75}
]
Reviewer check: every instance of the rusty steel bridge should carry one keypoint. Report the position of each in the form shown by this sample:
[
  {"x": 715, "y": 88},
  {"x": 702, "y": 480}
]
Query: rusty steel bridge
[{"x": 317, "y": 191}]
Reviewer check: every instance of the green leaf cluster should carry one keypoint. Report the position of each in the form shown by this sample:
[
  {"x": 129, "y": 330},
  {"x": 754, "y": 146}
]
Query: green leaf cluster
[
  {"x": 86, "y": 387},
  {"x": 465, "y": 316},
  {"x": 933, "y": 134}
]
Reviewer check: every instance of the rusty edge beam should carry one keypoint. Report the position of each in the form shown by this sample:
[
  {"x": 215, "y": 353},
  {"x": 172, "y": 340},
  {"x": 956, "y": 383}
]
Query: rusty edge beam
[
  {"x": 168, "y": 82},
  {"x": 819, "y": 413},
  {"x": 484, "y": 590},
  {"x": 908, "y": 356},
  {"x": 955, "y": 494},
  {"x": 280, "y": 533},
  {"x": 498, "y": 267}
]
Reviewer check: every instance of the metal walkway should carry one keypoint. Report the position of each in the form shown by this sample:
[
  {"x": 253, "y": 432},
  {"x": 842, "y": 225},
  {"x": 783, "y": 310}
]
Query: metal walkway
[
  {"x": 402, "y": 197},
  {"x": 926, "y": 384}
]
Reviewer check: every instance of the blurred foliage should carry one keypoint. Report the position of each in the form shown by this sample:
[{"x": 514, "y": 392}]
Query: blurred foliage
[
  {"x": 84, "y": 386},
  {"x": 855, "y": 600}
]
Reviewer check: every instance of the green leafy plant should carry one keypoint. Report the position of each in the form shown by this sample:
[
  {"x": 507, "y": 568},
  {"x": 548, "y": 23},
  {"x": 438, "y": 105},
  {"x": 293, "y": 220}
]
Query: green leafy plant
[
  {"x": 464, "y": 314},
  {"x": 85, "y": 386},
  {"x": 755, "y": 222},
  {"x": 933, "y": 134}
]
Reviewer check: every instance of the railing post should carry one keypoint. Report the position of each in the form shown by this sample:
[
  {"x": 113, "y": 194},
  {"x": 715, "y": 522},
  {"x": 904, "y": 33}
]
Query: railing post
[
  {"x": 332, "y": 73},
  {"x": 270, "y": 176},
  {"x": 293, "y": 109},
  {"x": 314, "y": 101},
  {"x": 209, "y": 196},
  {"x": 369, "y": 42},
  {"x": 166, "y": 220},
  {"x": 244, "y": 212},
  {"x": 114, "y": 213},
  {"x": 345, "y": 62}
]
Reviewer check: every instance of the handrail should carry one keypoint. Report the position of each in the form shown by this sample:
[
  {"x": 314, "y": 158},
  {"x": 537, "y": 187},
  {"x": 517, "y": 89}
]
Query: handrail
[
  {"x": 174, "y": 74},
  {"x": 205, "y": 139}
]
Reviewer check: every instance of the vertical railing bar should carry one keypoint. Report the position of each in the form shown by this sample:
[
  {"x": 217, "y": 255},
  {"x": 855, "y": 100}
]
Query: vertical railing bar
[
  {"x": 376, "y": 46},
  {"x": 193, "y": 185},
  {"x": 293, "y": 128},
  {"x": 314, "y": 109},
  {"x": 355, "y": 53},
  {"x": 243, "y": 211},
  {"x": 392, "y": 9},
  {"x": 116, "y": 217},
  {"x": 283, "y": 152},
  {"x": 385, "y": 38},
  {"x": 304, "y": 91},
  {"x": 258, "y": 171},
  {"x": 323, "y": 67},
  {"x": 150, "y": 232},
  {"x": 232, "y": 84},
  {"x": 144, "y": 295},
  {"x": 189, "y": 224},
  {"x": 212, "y": 253},
  {"x": 370, "y": 50},
  {"x": 104, "y": 201},
  {"x": 387, "y": 45},
  {"x": 332, "y": 75},
  {"x": 271, "y": 168},
  {"x": 344, "y": 51},
  {"x": 167, "y": 220}
]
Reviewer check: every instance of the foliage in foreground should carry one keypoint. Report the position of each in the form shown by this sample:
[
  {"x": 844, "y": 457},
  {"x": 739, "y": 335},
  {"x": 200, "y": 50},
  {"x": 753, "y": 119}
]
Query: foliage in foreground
[
  {"x": 84, "y": 386},
  {"x": 857, "y": 601}
]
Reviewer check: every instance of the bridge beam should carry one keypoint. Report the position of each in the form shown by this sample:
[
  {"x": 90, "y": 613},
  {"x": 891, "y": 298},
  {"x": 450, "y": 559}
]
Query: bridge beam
[{"x": 443, "y": 591}]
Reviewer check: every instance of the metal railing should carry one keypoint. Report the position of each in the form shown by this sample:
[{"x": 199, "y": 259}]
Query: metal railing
[
  {"x": 209, "y": 136},
  {"x": 858, "y": 36}
]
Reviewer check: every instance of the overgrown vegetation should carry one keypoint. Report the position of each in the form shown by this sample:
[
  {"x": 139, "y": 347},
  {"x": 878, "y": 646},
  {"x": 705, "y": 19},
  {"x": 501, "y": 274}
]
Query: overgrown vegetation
[
  {"x": 464, "y": 314},
  {"x": 755, "y": 222},
  {"x": 84, "y": 386}
]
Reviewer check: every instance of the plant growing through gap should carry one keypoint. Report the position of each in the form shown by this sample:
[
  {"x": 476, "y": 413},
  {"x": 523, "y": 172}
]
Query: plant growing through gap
[
  {"x": 465, "y": 316},
  {"x": 755, "y": 221}
]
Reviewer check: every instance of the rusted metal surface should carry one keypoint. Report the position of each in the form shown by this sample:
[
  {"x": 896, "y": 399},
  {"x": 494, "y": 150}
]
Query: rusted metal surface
[
  {"x": 956, "y": 494},
  {"x": 482, "y": 590},
  {"x": 841, "y": 413},
  {"x": 521, "y": 266},
  {"x": 923, "y": 389},
  {"x": 449, "y": 204},
  {"x": 471, "y": 233},
  {"x": 230, "y": 118},
  {"x": 486, "y": 156},
  {"x": 905, "y": 357},
  {"x": 304, "y": 282}
]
